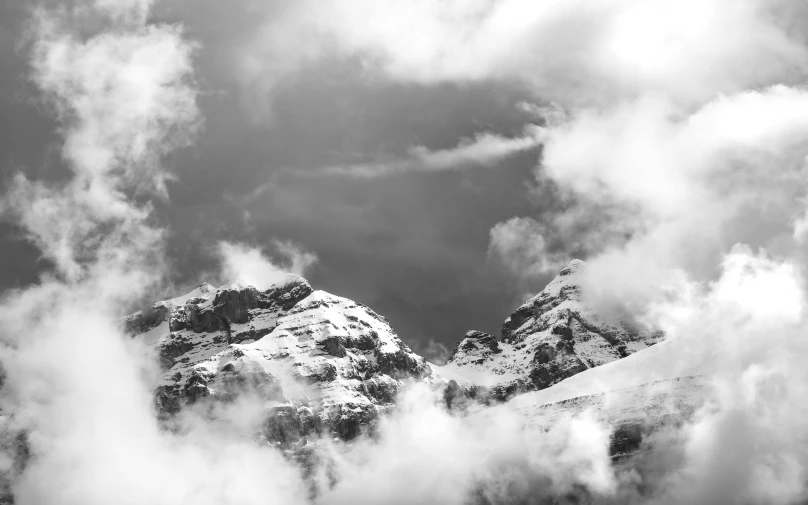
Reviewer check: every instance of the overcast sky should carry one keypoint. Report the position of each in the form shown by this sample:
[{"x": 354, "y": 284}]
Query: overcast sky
[
  {"x": 442, "y": 160},
  {"x": 328, "y": 151}
]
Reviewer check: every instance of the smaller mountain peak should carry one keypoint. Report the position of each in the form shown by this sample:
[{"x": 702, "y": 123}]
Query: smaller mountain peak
[
  {"x": 476, "y": 334},
  {"x": 573, "y": 267},
  {"x": 475, "y": 344}
]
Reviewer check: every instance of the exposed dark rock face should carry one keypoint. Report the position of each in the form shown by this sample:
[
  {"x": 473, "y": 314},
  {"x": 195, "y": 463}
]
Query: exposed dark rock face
[
  {"x": 145, "y": 320},
  {"x": 240, "y": 377},
  {"x": 366, "y": 342},
  {"x": 286, "y": 425},
  {"x": 195, "y": 388},
  {"x": 626, "y": 439},
  {"x": 382, "y": 389},
  {"x": 402, "y": 364},
  {"x": 514, "y": 321},
  {"x": 151, "y": 317},
  {"x": 459, "y": 397},
  {"x": 334, "y": 347},
  {"x": 329, "y": 373},
  {"x": 546, "y": 376},
  {"x": 174, "y": 347},
  {"x": 478, "y": 342},
  {"x": 232, "y": 305}
]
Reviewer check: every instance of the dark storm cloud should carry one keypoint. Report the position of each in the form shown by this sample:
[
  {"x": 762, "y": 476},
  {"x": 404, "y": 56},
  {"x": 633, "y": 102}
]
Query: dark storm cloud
[{"x": 413, "y": 246}]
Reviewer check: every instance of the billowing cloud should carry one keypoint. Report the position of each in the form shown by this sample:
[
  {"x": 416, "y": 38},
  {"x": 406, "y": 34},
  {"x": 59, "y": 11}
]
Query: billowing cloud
[
  {"x": 125, "y": 100},
  {"x": 425, "y": 455},
  {"x": 520, "y": 244},
  {"x": 745, "y": 330},
  {"x": 560, "y": 47},
  {"x": 434, "y": 351},
  {"x": 243, "y": 264}
]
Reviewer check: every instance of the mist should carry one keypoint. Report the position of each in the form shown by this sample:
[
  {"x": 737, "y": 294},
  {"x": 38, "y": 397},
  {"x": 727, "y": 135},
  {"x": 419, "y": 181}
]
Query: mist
[{"x": 674, "y": 134}]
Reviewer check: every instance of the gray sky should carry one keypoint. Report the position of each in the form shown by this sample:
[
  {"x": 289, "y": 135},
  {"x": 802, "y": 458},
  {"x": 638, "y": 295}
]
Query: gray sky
[
  {"x": 400, "y": 143},
  {"x": 411, "y": 244},
  {"x": 398, "y": 140}
]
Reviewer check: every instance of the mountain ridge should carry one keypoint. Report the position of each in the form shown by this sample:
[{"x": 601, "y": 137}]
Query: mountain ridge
[
  {"x": 552, "y": 336},
  {"x": 322, "y": 364}
]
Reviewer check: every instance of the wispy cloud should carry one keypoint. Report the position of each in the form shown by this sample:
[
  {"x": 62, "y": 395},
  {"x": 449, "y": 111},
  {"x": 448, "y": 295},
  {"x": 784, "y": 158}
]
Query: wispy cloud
[
  {"x": 484, "y": 150},
  {"x": 124, "y": 100}
]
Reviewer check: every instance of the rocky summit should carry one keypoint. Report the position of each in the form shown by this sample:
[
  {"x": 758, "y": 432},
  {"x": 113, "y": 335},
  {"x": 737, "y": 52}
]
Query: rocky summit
[
  {"x": 552, "y": 336},
  {"x": 319, "y": 363}
]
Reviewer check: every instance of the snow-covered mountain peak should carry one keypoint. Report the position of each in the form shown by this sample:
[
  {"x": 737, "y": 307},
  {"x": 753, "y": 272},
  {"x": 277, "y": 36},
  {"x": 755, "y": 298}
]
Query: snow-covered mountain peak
[
  {"x": 565, "y": 287},
  {"x": 320, "y": 362}
]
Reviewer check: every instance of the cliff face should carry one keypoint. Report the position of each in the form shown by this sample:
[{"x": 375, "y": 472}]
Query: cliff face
[
  {"x": 321, "y": 364},
  {"x": 552, "y": 336}
]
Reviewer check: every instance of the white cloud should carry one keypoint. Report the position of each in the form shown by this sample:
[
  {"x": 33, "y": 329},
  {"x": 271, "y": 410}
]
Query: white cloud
[
  {"x": 434, "y": 351},
  {"x": 243, "y": 264},
  {"x": 689, "y": 49},
  {"x": 124, "y": 101},
  {"x": 521, "y": 244},
  {"x": 745, "y": 330},
  {"x": 422, "y": 454}
]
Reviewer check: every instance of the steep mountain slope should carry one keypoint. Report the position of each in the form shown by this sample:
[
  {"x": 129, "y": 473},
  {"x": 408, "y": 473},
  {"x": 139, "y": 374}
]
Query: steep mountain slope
[
  {"x": 552, "y": 336},
  {"x": 634, "y": 396},
  {"x": 318, "y": 362}
]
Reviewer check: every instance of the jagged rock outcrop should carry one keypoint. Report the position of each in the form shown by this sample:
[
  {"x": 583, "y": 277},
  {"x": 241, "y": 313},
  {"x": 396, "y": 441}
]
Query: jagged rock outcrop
[
  {"x": 552, "y": 336},
  {"x": 321, "y": 364},
  {"x": 478, "y": 343}
]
